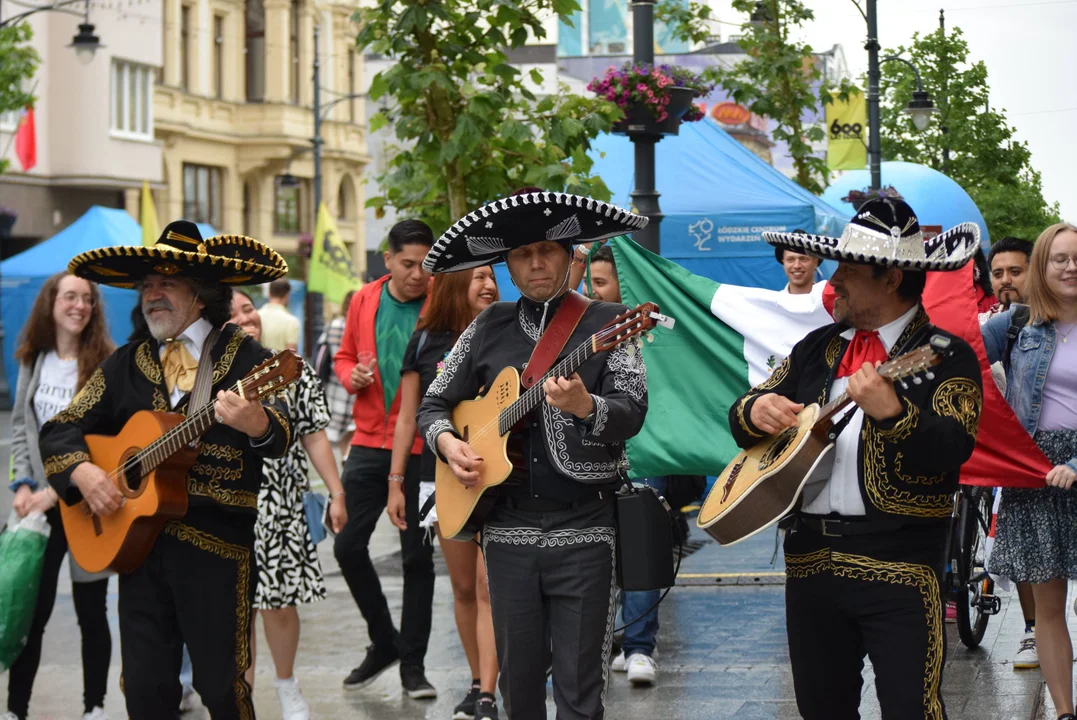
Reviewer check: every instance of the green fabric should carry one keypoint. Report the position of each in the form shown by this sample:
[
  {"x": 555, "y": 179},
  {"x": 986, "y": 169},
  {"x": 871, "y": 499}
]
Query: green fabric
[{"x": 392, "y": 330}]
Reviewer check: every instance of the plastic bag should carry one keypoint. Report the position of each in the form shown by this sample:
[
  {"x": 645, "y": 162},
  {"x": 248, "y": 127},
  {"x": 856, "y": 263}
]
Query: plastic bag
[{"x": 22, "y": 553}]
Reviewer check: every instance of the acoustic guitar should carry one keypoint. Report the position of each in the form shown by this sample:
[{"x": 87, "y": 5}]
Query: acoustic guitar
[
  {"x": 764, "y": 483},
  {"x": 148, "y": 460},
  {"x": 484, "y": 424}
]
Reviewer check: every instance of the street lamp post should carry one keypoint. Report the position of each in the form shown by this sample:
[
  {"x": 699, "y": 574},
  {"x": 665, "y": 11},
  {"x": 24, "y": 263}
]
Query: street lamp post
[
  {"x": 644, "y": 196},
  {"x": 85, "y": 42}
]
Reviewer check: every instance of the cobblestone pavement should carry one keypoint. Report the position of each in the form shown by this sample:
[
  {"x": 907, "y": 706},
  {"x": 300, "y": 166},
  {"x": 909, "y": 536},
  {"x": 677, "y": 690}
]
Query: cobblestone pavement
[{"x": 721, "y": 651}]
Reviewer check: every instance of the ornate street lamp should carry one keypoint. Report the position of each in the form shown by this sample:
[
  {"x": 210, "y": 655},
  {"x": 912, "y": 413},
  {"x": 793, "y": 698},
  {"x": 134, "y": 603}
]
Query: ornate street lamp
[{"x": 85, "y": 42}]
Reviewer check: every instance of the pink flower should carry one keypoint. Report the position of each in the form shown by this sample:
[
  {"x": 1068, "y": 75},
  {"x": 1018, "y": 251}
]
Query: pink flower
[{"x": 641, "y": 88}]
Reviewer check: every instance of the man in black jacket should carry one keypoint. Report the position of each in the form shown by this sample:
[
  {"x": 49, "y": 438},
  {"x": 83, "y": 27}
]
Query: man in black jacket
[
  {"x": 864, "y": 554},
  {"x": 550, "y": 541}
]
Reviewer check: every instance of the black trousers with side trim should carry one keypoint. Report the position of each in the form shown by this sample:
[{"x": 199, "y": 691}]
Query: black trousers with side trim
[
  {"x": 875, "y": 595},
  {"x": 196, "y": 587},
  {"x": 551, "y": 577}
]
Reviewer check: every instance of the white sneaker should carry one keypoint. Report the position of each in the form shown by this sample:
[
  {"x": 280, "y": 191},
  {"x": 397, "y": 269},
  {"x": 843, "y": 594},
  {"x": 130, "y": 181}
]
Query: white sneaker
[
  {"x": 187, "y": 699},
  {"x": 98, "y": 713},
  {"x": 292, "y": 704},
  {"x": 9, "y": 716},
  {"x": 619, "y": 663},
  {"x": 641, "y": 669},
  {"x": 1026, "y": 657}
]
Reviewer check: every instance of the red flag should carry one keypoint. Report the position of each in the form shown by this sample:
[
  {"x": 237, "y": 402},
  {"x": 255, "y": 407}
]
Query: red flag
[
  {"x": 26, "y": 141},
  {"x": 1005, "y": 455}
]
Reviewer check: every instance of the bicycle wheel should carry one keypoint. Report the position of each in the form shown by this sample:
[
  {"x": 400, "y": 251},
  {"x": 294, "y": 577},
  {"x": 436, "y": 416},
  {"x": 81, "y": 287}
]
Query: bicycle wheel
[{"x": 975, "y": 588}]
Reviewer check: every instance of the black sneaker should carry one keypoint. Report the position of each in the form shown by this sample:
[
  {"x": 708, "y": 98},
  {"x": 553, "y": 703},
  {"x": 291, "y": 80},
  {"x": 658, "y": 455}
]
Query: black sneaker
[
  {"x": 377, "y": 661},
  {"x": 466, "y": 709},
  {"x": 486, "y": 708},
  {"x": 415, "y": 683}
]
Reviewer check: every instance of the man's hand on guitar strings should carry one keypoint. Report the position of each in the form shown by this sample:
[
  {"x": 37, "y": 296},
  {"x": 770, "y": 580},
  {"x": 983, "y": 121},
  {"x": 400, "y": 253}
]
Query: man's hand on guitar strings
[
  {"x": 97, "y": 489},
  {"x": 247, "y": 416},
  {"x": 461, "y": 458},
  {"x": 874, "y": 394},
  {"x": 773, "y": 413},
  {"x": 569, "y": 395}
]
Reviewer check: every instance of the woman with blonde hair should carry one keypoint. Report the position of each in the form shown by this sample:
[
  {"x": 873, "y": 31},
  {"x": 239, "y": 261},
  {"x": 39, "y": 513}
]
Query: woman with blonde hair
[
  {"x": 62, "y": 343},
  {"x": 455, "y": 300},
  {"x": 1036, "y": 531}
]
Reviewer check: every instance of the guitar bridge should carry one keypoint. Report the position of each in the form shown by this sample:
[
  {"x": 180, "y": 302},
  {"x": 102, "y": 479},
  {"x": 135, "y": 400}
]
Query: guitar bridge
[{"x": 732, "y": 480}]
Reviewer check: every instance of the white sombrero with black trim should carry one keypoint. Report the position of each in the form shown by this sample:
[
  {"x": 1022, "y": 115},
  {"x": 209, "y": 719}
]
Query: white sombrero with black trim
[
  {"x": 885, "y": 232},
  {"x": 488, "y": 234}
]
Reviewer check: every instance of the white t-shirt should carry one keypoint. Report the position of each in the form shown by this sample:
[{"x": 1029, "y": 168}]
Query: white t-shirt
[{"x": 56, "y": 386}]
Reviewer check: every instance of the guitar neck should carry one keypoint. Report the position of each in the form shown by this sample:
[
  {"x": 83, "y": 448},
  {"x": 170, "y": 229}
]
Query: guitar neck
[
  {"x": 179, "y": 437},
  {"x": 534, "y": 395}
]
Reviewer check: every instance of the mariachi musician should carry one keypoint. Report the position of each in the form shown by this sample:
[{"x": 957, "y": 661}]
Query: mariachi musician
[
  {"x": 550, "y": 540},
  {"x": 196, "y": 585},
  {"x": 865, "y": 553}
]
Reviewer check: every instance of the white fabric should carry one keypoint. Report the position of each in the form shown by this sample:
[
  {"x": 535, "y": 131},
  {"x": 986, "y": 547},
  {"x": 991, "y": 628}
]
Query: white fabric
[
  {"x": 56, "y": 386},
  {"x": 426, "y": 489},
  {"x": 841, "y": 492},
  {"x": 193, "y": 338}
]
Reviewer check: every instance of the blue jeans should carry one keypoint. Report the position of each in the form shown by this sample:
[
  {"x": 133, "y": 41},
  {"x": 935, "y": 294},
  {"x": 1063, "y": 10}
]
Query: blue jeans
[{"x": 640, "y": 635}]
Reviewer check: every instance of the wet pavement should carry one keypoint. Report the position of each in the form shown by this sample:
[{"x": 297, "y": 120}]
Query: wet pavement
[{"x": 721, "y": 650}]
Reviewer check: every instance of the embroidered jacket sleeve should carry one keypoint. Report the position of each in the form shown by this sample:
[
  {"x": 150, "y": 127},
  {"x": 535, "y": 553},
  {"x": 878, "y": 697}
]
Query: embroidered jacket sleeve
[
  {"x": 457, "y": 382},
  {"x": 620, "y": 397},
  {"x": 279, "y": 436},
  {"x": 783, "y": 381},
  {"x": 92, "y": 411},
  {"x": 928, "y": 441}
]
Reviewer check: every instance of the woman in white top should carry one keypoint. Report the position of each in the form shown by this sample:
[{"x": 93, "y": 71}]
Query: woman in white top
[{"x": 62, "y": 343}]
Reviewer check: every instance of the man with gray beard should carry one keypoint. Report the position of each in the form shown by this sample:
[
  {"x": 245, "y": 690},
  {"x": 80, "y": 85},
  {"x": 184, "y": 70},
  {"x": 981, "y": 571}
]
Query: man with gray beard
[{"x": 196, "y": 585}]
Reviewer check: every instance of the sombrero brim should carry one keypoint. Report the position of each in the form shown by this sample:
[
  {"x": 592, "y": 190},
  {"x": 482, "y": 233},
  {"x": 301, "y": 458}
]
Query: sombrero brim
[
  {"x": 947, "y": 251},
  {"x": 228, "y": 259},
  {"x": 485, "y": 236}
]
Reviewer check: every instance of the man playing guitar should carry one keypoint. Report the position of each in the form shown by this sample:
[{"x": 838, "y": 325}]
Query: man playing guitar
[
  {"x": 865, "y": 552},
  {"x": 550, "y": 539},
  {"x": 196, "y": 585}
]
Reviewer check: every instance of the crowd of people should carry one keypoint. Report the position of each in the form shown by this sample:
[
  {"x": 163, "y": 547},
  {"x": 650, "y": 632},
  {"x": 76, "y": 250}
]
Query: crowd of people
[{"x": 535, "y": 597}]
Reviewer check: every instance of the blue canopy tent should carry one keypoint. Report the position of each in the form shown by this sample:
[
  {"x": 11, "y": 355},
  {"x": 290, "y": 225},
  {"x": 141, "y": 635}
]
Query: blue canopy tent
[
  {"x": 937, "y": 200},
  {"x": 22, "y": 275}
]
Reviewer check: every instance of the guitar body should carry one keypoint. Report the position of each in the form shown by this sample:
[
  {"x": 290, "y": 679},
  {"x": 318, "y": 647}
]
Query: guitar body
[
  {"x": 764, "y": 483},
  {"x": 462, "y": 510},
  {"x": 122, "y": 540}
]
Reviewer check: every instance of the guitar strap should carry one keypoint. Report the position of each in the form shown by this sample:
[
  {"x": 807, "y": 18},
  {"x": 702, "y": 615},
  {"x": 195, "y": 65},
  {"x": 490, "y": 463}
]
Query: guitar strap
[
  {"x": 555, "y": 337},
  {"x": 203, "y": 379}
]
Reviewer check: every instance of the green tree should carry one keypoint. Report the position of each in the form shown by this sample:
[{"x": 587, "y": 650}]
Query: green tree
[
  {"x": 18, "y": 62},
  {"x": 778, "y": 79},
  {"x": 983, "y": 157},
  {"x": 469, "y": 127}
]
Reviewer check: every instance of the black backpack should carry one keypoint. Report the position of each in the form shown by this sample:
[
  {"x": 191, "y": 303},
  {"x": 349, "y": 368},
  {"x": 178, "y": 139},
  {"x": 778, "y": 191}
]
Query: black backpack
[{"x": 1019, "y": 315}]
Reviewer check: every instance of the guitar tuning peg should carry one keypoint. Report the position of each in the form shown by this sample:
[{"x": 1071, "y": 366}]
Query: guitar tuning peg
[
  {"x": 916, "y": 380},
  {"x": 929, "y": 375},
  {"x": 650, "y": 338},
  {"x": 904, "y": 385}
]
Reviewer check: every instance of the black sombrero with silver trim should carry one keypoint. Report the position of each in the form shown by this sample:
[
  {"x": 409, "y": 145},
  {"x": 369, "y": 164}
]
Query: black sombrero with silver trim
[
  {"x": 181, "y": 252},
  {"x": 488, "y": 234},
  {"x": 885, "y": 232}
]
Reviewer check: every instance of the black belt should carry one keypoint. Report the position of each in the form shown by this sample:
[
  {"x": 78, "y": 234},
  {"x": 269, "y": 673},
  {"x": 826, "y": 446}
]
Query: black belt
[
  {"x": 843, "y": 527},
  {"x": 533, "y": 504}
]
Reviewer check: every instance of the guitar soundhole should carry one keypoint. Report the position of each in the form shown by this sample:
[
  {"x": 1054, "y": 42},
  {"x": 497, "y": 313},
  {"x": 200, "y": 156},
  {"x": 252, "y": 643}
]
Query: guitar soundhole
[
  {"x": 778, "y": 448},
  {"x": 132, "y": 475}
]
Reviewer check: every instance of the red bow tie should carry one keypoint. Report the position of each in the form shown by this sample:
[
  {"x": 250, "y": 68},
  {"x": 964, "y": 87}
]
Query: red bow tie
[{"x": 865, "y": 347}]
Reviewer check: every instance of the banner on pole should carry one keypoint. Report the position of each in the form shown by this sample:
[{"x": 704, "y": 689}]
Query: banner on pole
[
  {"x": 331, "y": 271},
  {"x": 847, "y": 136}
]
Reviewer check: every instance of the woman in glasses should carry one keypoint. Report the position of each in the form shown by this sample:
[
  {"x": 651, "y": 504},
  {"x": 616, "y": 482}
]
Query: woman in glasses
[
  {"x": 62, "y": 343},
  {"x": 1036, "y": 533}
]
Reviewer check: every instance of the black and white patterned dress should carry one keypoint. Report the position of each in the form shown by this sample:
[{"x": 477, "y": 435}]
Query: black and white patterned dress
[{"x": 288, "y": 569}]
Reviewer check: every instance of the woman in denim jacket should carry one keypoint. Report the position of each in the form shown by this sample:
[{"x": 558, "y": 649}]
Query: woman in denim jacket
[{"x": 1036, "y": 534}]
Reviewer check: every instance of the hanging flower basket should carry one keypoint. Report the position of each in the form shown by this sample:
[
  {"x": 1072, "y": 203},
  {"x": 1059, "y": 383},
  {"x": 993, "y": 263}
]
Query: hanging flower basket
[
  {"x": 655, "y": 99},
  {"x": 858, "y": 197}
]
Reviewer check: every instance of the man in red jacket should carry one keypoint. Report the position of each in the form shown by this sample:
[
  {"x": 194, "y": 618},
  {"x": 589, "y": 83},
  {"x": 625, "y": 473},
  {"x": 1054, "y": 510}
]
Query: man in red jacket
[{"x": 381, "y": 319}]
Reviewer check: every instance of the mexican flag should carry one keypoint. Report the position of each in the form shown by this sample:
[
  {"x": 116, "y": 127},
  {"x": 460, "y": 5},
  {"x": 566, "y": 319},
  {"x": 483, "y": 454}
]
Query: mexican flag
[{"x": 728, "y": 338}]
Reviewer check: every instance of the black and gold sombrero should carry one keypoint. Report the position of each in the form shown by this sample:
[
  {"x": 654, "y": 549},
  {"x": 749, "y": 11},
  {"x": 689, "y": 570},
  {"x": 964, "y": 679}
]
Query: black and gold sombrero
[{"x": 181, "y": 252}]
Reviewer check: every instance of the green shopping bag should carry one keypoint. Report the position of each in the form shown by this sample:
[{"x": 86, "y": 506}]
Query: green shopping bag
[{"x": 22, "y": 553}]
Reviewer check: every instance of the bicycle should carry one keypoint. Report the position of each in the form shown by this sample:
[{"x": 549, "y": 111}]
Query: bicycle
[{"x": 967, "y": 578}]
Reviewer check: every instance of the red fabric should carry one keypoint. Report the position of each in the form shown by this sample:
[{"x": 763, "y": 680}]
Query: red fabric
[
  {"x": 26, "y": 141},
  {"x": 866, "y": 347},
  {"x": 1005, "y": 455},
  {"x": 373, "y": 428},
  {"x": 984, "y": 300}
]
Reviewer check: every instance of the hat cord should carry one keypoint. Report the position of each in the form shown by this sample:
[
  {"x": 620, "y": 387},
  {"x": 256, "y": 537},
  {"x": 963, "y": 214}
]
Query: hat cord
[{"x": 545, "y": 303}]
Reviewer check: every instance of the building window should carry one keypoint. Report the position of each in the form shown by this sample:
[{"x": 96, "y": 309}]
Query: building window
[
  {"x": 255, "y": 50},
  {"x": 185, "y": 46},
  {"x": 351, "y": 85},
  {"x": 286, "y": 210},
  {"x": 164, "y": 43},
  {"x": 293, "y": 44},
  {"x": 9, "y": 121},
  {"x": 346, "y": 199},
  {"x": 202, "y": 194},
  {"x": 218, "y": 56},
  {"x": 132, "y": 100}
]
